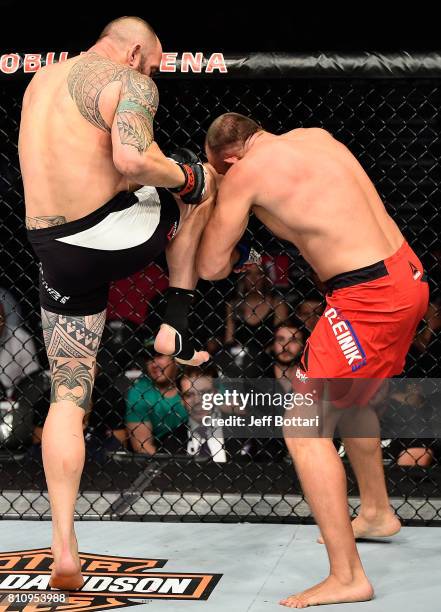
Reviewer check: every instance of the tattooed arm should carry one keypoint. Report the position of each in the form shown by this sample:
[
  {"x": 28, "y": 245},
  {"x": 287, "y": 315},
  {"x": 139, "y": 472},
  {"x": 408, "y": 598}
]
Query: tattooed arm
[{"x": 135, "y": 153}]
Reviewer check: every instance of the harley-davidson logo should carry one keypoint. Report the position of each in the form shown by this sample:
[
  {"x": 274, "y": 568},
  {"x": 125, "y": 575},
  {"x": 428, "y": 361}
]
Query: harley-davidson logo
[{"x": 110, "y": 582}]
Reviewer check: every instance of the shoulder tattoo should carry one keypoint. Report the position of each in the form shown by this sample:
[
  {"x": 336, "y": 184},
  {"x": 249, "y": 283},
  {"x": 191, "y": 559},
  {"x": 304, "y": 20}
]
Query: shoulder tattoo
[
  {"x": 138, "y": 99},
  {"x": 136, "y": 110},
  {"x": 86, "y": 81}
]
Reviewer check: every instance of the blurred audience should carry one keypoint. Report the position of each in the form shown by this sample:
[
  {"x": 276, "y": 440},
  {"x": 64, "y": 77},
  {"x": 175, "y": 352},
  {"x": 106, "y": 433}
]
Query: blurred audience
[
  {"x": 130, "y": 298},
  {"x": 234, "y": 361},
  {"x": 18, "y": 355},
  {"x": 410, "y": 411},
  {"x": 252, "y": 316},
  {"x": 309, "y": 312},
  {"x": 282, "y": 360},
  {"x": 415, "y": 453},
  {"x": 423, "y": 361},
  {"x": 203, "y": 439},
  {"x": 424, "y": 357},
  {"x": 257, "y": 340},
  {"x": 155, "y": 416},
  {"x": 105, "y": 421},
  {"x": 122, "y": 346}
]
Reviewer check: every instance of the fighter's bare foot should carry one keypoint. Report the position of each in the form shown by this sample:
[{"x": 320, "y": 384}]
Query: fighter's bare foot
[
  {"x": 331, "y": 591},
  {"x": 198, "y": 359},
  {"x": 166, "y": 345},
  {"x": 66, "y": 572},
  {"x": 165, "y": 340},
  {"x": 380, "y": 526}
]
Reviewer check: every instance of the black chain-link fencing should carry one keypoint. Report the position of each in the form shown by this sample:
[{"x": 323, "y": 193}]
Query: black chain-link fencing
[{"x": 148, "y": 455}]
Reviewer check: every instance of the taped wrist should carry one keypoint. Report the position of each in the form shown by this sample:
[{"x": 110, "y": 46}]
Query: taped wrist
[{"x": 179, "y": 303}]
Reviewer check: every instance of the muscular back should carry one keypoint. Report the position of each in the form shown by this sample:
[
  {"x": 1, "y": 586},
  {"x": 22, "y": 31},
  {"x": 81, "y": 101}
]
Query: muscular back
[
  {"x": 315, "y": 194},
  {"x": 70, "y": 114}
]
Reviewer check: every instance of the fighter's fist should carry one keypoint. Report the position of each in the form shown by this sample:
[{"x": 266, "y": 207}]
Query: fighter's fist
[{"x": 193, "y": 189}]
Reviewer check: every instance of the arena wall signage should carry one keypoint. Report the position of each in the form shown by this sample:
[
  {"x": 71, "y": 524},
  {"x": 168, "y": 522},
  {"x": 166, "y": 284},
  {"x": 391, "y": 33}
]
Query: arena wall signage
[
  {"x": 186, "y": 62},
  {"x": 110, "y": 582},
  {"x": 317, "y": 64}
]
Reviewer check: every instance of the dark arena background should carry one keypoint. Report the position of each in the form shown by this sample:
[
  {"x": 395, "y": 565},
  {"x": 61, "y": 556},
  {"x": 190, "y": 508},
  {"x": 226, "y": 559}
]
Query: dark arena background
[{"x": 385, "y": 106}]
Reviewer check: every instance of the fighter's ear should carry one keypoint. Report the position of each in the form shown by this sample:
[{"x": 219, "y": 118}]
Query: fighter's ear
[
  {"x": 231, "y": 160},
  {"x": 134, "y": 56}
]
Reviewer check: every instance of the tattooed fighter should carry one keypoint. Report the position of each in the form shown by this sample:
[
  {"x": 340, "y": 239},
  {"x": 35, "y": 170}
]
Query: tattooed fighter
[{"x": 86, "y": 147}]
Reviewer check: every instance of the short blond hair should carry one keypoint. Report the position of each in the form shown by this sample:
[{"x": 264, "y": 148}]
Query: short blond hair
[{"x": 229, "y": 130}]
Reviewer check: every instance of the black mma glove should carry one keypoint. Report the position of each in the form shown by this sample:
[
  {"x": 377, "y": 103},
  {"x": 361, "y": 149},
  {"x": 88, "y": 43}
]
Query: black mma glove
[{"x": 192, "y": 192}]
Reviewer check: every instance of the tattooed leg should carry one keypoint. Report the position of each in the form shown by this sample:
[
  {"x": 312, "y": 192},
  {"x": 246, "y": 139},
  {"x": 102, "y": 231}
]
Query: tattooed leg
[{"x": 71, "y": 344}]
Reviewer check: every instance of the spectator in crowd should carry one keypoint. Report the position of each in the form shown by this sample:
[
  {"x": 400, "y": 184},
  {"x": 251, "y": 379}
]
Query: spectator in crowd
[
  {"x": 425, "y": 353},
  {"x": 155, "y": 415},
  {"x": 423, "y": 361},
  {"x": 252, "y": 316},
  {"x": 18, "y": 355},
  {"x": 207, "y": 439},
  {"x": 416, "y": 453},
  {"x": 282, "y": 360},
  {"x": 415, "y": 404},
  {"x": 203, "y": 439},
  {"x": 309, "y": 312},
  {"x": 287, "y": 350},
  {"x": 412, "y": 405}
]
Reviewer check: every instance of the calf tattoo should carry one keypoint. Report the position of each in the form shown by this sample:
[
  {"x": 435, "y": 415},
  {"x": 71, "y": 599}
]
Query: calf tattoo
[{"x": 72, "y": 344}]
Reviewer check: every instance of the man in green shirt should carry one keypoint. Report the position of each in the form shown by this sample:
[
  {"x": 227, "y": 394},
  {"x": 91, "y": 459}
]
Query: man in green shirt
[{"x": 154, "y": 410}]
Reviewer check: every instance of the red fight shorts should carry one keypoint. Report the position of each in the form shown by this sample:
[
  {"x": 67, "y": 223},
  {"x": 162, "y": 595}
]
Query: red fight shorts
[{"x": 367, "y": 327}]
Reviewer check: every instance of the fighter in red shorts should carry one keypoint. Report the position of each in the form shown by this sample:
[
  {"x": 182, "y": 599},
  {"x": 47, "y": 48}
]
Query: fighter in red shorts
[{"x": 308, "y": 188}]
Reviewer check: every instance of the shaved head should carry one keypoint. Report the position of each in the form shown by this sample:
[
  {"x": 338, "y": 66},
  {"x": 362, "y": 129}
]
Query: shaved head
[
  {"x": 132, "y": 41},
  {"x": 127, "y": 29}
]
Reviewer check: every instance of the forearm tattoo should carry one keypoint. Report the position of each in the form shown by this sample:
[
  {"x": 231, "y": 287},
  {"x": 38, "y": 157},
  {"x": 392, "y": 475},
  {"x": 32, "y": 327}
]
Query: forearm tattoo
[
  {"x": 138, "y": 99},
  {"x": 72, "y": 345},
  {"x": 41, "y": 222}
]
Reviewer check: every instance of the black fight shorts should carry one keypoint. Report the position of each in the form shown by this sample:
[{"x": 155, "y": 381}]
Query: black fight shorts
[{"x": 79, "y": 259}]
